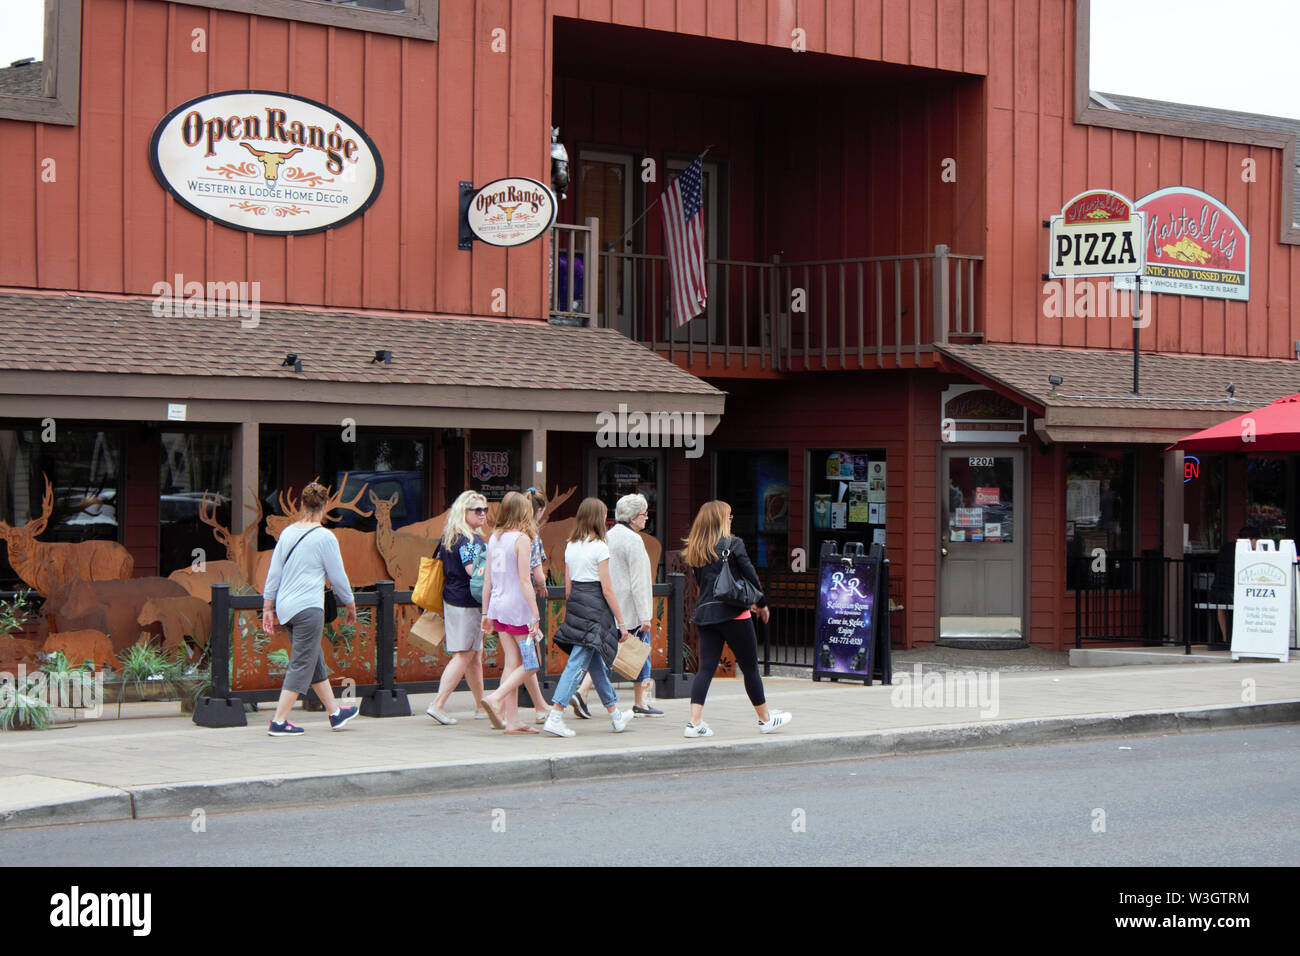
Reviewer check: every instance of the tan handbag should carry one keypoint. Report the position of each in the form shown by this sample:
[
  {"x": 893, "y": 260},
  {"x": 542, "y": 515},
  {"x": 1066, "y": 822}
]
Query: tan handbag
[
  {"x": 632, "y": 655},
  {"x": 427, "y": 633}
]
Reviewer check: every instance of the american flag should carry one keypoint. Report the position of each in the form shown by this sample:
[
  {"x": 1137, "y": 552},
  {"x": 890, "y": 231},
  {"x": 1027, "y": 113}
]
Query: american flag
[{"x": 683, "y": 209}]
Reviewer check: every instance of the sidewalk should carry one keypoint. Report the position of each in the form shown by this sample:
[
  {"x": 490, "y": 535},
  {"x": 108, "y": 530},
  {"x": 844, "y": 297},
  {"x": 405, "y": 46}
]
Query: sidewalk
[{"x": 155, "y": 763}]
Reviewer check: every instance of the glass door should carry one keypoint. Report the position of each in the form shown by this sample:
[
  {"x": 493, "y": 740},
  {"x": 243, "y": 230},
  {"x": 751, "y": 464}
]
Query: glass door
[
  {"x": 604, "y": 192},
  {"x": 981, "y": 550}
]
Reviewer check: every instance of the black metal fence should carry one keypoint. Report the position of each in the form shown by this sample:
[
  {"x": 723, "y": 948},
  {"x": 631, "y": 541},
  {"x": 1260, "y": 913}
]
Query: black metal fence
[
  {"x": 387, "y": 697},
  {"x": 1151, "y": 600}
]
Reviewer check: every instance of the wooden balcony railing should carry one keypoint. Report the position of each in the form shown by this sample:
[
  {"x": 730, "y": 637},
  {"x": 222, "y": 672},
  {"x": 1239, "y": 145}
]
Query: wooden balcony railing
[{"x": 775, "y": 315}]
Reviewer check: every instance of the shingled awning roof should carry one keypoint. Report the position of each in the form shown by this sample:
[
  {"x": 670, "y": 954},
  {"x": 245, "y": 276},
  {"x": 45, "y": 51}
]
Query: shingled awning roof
[
  {"x": 458, "y": 372},
  {"x": 1179, "y": 394}
]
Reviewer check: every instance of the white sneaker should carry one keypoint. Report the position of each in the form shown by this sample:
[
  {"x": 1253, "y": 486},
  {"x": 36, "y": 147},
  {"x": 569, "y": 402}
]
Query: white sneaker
[
  {"x": 698, "y": 730},
  {"x": 555, "y": 726},
  {"x": 439, "y": 716},
  {"x": 620, "y": 719},
  {"x": 543, "y": 714},
  {"x": 779, "y": 718}
]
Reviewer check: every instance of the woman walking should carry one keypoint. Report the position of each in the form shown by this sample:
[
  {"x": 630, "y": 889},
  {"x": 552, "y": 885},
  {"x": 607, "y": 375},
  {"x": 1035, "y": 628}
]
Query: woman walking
[
  {"x": 536, "y": 564},
  {"x": 718, "y": 623},
  {"x": 629, "y": 569},
  {"x": 462, "y": 544},
  {"x": 510, "y": 608},
  {"x": 295, "y": 593},
  {"x": 592, "y": 628}
]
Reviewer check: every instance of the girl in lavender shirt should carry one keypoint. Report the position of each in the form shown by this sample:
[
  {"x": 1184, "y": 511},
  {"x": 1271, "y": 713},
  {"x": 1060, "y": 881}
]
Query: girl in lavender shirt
[{"x": 510, "y": 607}]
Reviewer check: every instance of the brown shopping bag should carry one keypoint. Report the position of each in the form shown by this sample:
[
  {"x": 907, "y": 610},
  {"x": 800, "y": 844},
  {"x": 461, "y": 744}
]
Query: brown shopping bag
[
  {"x": 632, "y": 654},
  {"x": 427, "y": 633}
]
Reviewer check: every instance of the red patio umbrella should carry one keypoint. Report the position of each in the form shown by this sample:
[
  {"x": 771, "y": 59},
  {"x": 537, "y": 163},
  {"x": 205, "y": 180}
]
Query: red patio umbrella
[{"x": 1274, "y": 427}]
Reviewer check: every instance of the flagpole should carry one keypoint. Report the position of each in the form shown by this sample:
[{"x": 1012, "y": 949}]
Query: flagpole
[{"x": 609, "y": 246}]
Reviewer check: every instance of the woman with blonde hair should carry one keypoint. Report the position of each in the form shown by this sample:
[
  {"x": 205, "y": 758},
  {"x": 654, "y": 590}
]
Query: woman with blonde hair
[
  {"x": 510, "y": 609},
  {"x": 295, "y": 592},
  {"x": 592, "y": 628},
  {"x": 707, "y": 549},
  {"x": 462, "y": 548}
]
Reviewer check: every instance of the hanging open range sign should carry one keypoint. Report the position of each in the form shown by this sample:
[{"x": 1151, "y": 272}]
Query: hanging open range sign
[
  {"x": 266, "y": 162},
  {"x": 507, "y": 212}
]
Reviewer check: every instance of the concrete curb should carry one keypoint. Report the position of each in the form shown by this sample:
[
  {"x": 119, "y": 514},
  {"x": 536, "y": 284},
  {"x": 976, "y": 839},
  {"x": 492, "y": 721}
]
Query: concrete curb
[{"x": 170, "y": 800}]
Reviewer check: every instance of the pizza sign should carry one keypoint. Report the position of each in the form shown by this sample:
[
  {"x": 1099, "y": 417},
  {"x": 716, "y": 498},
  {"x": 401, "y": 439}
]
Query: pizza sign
[
  {"x": 1194, "y": 246},
  {"x": 1098, "y": 233}
]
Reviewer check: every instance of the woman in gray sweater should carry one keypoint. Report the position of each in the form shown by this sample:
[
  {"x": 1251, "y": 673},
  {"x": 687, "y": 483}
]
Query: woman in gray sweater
[{"x": 295, "y": 593}]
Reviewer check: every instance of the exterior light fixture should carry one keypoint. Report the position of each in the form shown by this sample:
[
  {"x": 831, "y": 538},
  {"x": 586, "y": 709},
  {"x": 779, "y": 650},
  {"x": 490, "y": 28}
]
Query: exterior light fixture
[
  {"x": 1230, "y": 388},
  {"x": 382, "y": 355},
  {"x": 1054, "y": 380},
  {"x": 292, "y": 361}
]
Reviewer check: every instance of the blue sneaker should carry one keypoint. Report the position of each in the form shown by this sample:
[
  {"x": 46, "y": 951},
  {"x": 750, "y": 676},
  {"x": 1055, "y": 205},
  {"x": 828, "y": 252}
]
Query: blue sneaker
[
  {"x": 284, "y": 729},
  {"x": 342, "y": 717}
]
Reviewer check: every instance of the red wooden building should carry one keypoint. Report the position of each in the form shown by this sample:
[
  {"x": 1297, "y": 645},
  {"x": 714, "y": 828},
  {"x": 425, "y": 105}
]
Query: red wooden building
[{"x": 874, "y": 362}]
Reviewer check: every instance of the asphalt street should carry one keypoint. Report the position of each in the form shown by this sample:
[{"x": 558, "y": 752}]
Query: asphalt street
[{"x": 1223, "y": 798}]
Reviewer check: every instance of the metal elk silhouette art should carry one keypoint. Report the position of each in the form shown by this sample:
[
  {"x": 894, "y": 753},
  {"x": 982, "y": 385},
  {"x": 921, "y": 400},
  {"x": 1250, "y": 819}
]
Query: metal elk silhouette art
[
  {"x": 45, "y": 566},
  {"x": 361, "y": 558}
]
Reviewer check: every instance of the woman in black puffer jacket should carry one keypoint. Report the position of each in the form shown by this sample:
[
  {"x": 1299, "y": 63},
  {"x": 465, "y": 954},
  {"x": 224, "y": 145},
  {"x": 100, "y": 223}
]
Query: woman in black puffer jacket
[
  {"x": 593, "y": 624},
  {"x": 718, "y": 623}
]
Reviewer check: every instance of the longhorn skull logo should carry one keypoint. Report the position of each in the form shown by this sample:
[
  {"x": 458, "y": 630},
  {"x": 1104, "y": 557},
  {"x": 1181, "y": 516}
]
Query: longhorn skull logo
[
  {"x": 510, "y": 210},
  {"x": 271, "y": 161}
]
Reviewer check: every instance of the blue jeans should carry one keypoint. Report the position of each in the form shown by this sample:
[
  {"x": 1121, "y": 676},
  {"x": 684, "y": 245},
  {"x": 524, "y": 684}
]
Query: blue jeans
[
  {"x": 580, "y": 659},
  {"x": 645, "y": 668}
]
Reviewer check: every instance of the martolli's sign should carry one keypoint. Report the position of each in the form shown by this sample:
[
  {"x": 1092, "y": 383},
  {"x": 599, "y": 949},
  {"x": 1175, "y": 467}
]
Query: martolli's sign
[
  {"x": 1194, "y": 246},
  {"x": 266, "y": 162},
  {"x": 510, "y": 212},
  {"x": 1098, "y": 233}
]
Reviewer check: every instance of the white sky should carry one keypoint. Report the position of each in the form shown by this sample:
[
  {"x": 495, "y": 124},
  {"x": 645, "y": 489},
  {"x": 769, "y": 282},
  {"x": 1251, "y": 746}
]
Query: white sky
[{"x": 1231, "y": 54}]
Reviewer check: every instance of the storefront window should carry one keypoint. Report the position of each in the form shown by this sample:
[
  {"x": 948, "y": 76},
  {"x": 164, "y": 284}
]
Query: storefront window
[
  {"x": 84, "y": 468},
  {"x": 1203, "y": 501},
  {"x": 387, "y": 465},
  {"x": 191, "y": 465},
  {"x": 846, "y": 498},
  {"x": 1266, "y": 505},
  {"x": 1100, "y": 495},
  {"x": 618, "y": 476},
  {"x": 981, "y": 499},
  {"x": 756, "y": 485}
]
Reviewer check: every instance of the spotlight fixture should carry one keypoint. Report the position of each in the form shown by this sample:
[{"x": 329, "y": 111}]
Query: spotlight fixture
[
  {"x": 1054, "y": 380},
  {"x": 292, "y": 361},
  {"x": 382, "y": 355},
  {"x": 1230, "y": 388}
]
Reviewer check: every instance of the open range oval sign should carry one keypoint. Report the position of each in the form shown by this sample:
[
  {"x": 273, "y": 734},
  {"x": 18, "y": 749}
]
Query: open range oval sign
[
  {"x": 266, "y": 162},
  {"x": 512, "y": 211}
]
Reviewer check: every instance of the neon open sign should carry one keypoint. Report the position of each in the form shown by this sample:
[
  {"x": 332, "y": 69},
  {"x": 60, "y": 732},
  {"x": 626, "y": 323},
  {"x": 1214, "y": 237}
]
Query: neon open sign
[{"x": 1191, "y": 468}]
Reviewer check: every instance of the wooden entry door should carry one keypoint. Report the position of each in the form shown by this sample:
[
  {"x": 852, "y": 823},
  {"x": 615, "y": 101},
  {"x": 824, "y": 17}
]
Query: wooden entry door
[
  {"x": 983, "y": 528},
  {"x": 605, "y": 192}
]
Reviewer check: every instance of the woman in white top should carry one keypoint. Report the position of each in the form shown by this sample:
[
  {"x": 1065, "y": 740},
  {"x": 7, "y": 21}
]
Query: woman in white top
[
  {"x": 629, "y": 569},
  {"x": 592, "y": 628}
]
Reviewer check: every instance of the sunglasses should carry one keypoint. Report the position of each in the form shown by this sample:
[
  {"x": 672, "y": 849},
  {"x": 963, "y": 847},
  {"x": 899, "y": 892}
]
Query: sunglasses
[{"x": 479, "y": 511}]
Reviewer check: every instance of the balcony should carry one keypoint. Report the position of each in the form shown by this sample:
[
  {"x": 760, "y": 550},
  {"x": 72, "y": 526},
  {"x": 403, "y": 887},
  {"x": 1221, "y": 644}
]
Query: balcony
[{"x": 774, "y": 317}]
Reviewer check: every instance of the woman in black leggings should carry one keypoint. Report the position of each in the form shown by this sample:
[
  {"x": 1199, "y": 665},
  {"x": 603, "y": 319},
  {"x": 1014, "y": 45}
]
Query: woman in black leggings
[{"x": 718, "y": 623}]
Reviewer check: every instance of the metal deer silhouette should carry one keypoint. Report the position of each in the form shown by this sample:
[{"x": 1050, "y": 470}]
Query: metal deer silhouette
[
  {"x": 44, "y": 566},
  {"x": 271, "y": 161}
]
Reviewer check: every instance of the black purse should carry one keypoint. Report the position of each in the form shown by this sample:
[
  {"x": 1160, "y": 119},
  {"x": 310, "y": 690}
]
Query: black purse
[
  {"x": 331, "y": 602},
  {"x": 732, "y": 589}
]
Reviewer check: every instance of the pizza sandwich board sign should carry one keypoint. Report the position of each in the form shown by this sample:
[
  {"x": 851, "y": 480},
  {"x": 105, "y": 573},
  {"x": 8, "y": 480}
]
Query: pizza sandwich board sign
[
  {"x": 1098, "y": 233},
  {"x": 1263, "y": 599}
]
